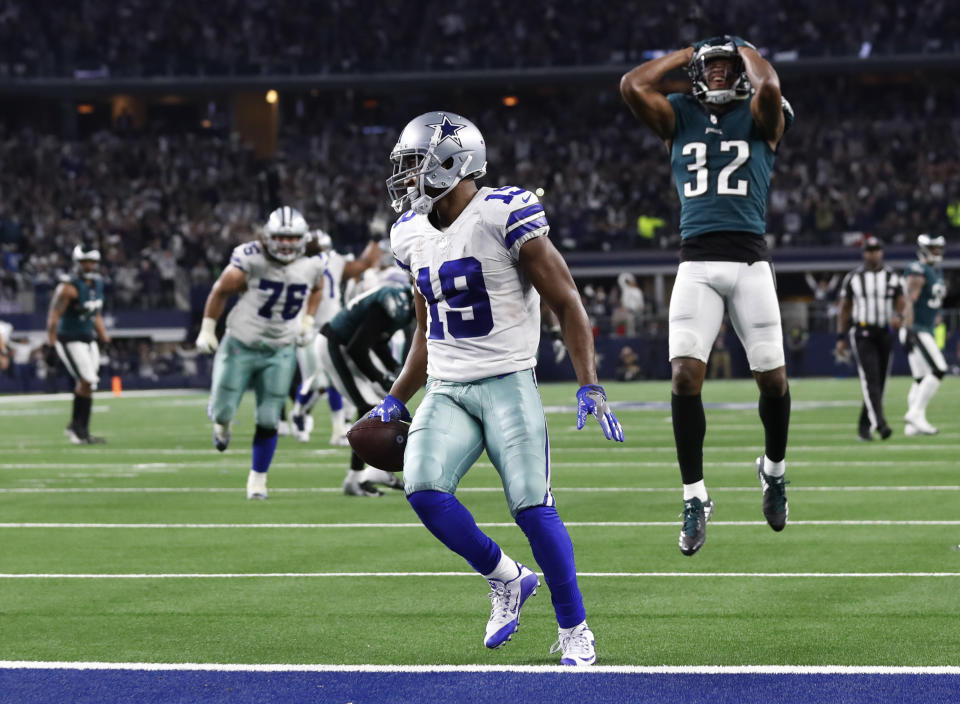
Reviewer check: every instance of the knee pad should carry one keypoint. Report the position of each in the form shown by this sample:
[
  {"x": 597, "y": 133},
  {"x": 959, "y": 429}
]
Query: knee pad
[
  {"x": 686, "y": 343},
  {"x": 765, "y": 356}
]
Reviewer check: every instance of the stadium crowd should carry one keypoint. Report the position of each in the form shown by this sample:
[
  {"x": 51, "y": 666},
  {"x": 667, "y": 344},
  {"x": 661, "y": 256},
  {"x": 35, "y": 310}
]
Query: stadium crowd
[
  {"x": 97, "y": 38},
  {"x": 166, "y": 208}
]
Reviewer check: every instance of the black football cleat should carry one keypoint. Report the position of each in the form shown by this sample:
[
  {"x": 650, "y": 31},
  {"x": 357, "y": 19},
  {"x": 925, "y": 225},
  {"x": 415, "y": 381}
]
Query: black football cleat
[
  {"x": 775, "y": 507},
  {"x": 693, "y": 534},
  {"x": 885, "y": 431}
]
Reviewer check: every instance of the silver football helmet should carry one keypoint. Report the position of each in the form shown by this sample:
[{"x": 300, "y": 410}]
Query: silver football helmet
[
  {"x": 925, "y": 245},
  {"x": 82, "y": 253},
  {"x": 436, "y": 150},
  {"x": 718, "y": 48},
  {"x": 324, "y": 241},
  {"x": 286, "y": 234}
]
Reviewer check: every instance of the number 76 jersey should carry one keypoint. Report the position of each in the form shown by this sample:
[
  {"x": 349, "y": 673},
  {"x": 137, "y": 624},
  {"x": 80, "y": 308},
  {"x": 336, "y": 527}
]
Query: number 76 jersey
[
  {"x": 483, "y": 315},
  {"x": 266, "y": 314}
]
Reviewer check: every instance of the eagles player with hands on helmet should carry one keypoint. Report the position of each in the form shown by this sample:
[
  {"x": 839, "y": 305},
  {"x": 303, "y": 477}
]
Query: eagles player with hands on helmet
[
  {"x": 481, "y": 260},
  {"x": 74, "y": 318},
  {"x": 722, "y": 138},
  {"x": 275, "y": 281},
  {"x": 925, "y": 291}
]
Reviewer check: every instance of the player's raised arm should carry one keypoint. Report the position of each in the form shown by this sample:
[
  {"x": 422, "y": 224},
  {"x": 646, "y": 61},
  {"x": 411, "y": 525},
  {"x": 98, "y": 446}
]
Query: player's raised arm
[
  {"x": 640, "y": 90},
  {"x": 767, "y": 103}
]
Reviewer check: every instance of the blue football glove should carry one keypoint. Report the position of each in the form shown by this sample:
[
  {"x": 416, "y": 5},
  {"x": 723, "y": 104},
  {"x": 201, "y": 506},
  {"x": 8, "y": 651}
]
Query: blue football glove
[
  {"x": 390, "y": 408},
  {"x": 592, "y": 400}
]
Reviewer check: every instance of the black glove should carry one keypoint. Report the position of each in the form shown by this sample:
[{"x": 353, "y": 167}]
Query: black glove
[{"x": 50, "y": 355}]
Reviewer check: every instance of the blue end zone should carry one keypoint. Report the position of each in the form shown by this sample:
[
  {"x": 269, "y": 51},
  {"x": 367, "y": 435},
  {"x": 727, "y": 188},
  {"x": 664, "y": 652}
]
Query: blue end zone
[{"x": 30, "y": 686}]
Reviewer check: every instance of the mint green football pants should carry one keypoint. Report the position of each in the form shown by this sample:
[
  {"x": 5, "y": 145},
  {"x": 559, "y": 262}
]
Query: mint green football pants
[
  {"x": 457, "y": 421},
  {"x": 238, "y": 366}
]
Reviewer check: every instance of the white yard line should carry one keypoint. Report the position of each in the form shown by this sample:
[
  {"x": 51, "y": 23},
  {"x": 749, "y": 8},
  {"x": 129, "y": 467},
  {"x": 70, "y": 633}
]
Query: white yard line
[
  {"x": 383, "y": 526},
  {"x": 472, "y": 575},
  {"x": 469, "y": 490},
  {"x": 532, "y": 669}
]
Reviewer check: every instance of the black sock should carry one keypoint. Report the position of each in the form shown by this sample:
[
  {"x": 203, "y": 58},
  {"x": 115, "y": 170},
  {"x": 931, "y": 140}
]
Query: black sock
[
  {"x": 75, "y": 415},
  {"x": 689, "y": 428},
  {"x": 775, "y": 415},
  {"x": 83, "y": 405}
]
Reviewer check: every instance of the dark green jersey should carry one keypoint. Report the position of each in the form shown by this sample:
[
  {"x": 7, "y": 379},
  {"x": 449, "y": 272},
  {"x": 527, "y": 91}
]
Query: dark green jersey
[
  {"x": 721, "y": 165},
  {"x": 389, "y": 306},
  {"x": 927, "y": 305},
  {"x": 76, "y": 323}
]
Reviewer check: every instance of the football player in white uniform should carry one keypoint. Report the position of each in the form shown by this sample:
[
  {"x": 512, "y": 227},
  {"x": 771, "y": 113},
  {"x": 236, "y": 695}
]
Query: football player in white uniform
[
  {"x": 480, "y": 260},
  {"x": 313, "y": 375},
  {"x": 276, "y": 280}
]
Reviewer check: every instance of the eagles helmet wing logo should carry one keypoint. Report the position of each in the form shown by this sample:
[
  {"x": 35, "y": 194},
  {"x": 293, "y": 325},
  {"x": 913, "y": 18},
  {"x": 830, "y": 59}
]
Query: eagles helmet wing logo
[{"x": 448, "y": 130}]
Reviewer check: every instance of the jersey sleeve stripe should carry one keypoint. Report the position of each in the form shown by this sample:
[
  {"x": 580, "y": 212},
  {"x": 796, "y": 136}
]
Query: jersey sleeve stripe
[
  {"x": 523, "y": 229},
  {"x": 401, "y": 264},
  {"x": 238, "y": 263},
  {"x": 518, "y": 215}
]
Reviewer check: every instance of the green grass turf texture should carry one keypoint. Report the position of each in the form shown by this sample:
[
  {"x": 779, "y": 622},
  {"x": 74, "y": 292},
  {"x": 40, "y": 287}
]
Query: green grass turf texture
[{"x": 164, "y": 442}]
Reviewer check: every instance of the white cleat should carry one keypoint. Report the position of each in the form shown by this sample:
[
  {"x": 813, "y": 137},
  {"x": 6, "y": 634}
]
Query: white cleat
[
  {"x": 221, "y": 436},
  {"x": 283, "y": 428},
  {"x": 257, "y": 485},
  {"x": 339, "y": 440},
  {"x": 917, "y": 418},
  {"x": 353, "y": 487},
  {"x": 300, "y": 426},
  {"x": 372, "y": 475},
  {"x": 506, "y": 600},
  {"x": 576, "y": 646}
]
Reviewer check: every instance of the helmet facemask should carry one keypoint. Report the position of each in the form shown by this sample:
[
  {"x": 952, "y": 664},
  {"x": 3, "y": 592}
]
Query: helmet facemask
[
  {"x": 285, "y": 235},
  {"x": 925, "y": 246},
  {"x": 81, "y": 255},
  {"x": 740, "y": 89},
  {"x": 437, "y": 164}
]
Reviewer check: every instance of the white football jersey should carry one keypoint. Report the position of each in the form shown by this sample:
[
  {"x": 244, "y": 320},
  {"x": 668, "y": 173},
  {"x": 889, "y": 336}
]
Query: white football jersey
[
  {"x": 483, "y": 315},
  {"x": 331, "y": 303},
  {"x": 266, "y": 314}
]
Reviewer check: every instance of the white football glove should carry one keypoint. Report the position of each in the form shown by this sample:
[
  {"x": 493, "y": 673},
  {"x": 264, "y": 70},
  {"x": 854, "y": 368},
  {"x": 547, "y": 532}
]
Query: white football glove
[
  {"x": 207, "y": 339},
  {"x": 307, "y": 331}
]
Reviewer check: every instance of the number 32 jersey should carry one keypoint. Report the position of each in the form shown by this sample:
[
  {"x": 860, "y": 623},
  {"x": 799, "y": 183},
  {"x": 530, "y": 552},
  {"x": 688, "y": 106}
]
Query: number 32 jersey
[
  {"x": 483, "y": 315},
  {"x": 266, "y": 314}
]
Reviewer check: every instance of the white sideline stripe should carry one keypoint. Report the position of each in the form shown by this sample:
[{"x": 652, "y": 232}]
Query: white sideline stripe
[
  {"x": 270, "y": 575},
  {"x": 569, "y": 524},
  {"x": 532, "y": 669},
  {"x": 477, "y": 490}
]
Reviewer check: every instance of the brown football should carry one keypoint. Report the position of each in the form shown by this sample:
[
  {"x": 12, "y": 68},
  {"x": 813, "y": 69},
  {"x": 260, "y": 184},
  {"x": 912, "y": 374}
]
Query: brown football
[{"x": 380, "y": 444}]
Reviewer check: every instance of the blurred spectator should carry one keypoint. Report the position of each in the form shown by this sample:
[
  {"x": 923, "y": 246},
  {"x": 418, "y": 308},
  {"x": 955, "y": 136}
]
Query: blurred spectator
[
  {"x": 797, "y": 340},
  {"x": 719, "y": 362},
  {"x": 628, "y": 369}
]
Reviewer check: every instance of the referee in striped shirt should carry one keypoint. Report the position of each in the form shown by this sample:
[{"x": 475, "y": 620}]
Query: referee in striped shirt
[{"x": 871, "y": 304}]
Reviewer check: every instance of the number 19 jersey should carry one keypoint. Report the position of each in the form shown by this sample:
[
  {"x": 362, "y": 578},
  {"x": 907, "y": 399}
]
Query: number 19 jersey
[
  {"x": 266, "y": 314},
  {"x": 483, "y": 315}
]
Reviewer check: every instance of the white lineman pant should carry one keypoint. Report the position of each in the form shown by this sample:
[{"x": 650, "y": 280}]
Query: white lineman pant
[
  {"x": 703, "y": 290},
  {"x": 314, "y": 374},
  {"x": 82, "y": 360},
  {"x": 925, "y": 357}
]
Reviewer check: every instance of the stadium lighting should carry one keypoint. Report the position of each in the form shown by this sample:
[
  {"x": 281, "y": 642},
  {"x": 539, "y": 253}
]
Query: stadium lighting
[
  {"x": 271, "y": 96},
  {"x": 539, "y": 192},
  {"x": 85, "y": 109},
  {"x": 510, "y": 101}
]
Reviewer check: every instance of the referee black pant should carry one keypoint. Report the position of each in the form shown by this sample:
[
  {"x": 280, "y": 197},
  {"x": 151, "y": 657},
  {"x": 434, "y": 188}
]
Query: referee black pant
[{"x": 871, "y": 348}]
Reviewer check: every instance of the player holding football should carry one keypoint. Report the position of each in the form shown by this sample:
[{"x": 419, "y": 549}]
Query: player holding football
[
  {"x": 722, "y": 139},
  {"x": 314, "y": 376},
  {"x": 925, "y": 292},
  {"x": 75, "y": 316},
  {"x": 262, "y": 330},
  {"x": 480, "y": 259}
]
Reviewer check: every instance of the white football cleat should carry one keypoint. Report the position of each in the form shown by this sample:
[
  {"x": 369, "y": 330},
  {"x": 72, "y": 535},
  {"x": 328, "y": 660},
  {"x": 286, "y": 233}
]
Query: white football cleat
[
  {"x": 257, "y": 485},
  {"x": 918, "y": 419},
  {"x": 300, "y": 426},
  {"x": 339, "y": 440},
  {"x": 283, "y": 428},
  {"x": 506, "y": 600},
  {"x": 353, "y": 486},
  {"x": 576, "y": 646},
  {"x": 221, "y": 436},
  {"x": 372, "y": 475}
]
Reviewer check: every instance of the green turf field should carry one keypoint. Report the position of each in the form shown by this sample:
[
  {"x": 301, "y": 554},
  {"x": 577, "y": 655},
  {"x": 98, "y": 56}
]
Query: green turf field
[{"x": 867, "y": 572}]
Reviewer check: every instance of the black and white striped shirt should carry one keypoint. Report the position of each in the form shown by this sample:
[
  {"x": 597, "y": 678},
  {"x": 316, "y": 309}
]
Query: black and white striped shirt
[{"x": 873, "y": 294}]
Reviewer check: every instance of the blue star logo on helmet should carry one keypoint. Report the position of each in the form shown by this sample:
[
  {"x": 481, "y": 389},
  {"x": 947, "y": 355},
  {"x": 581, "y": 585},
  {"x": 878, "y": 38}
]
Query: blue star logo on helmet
[{"x": 448, "y": 130}]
